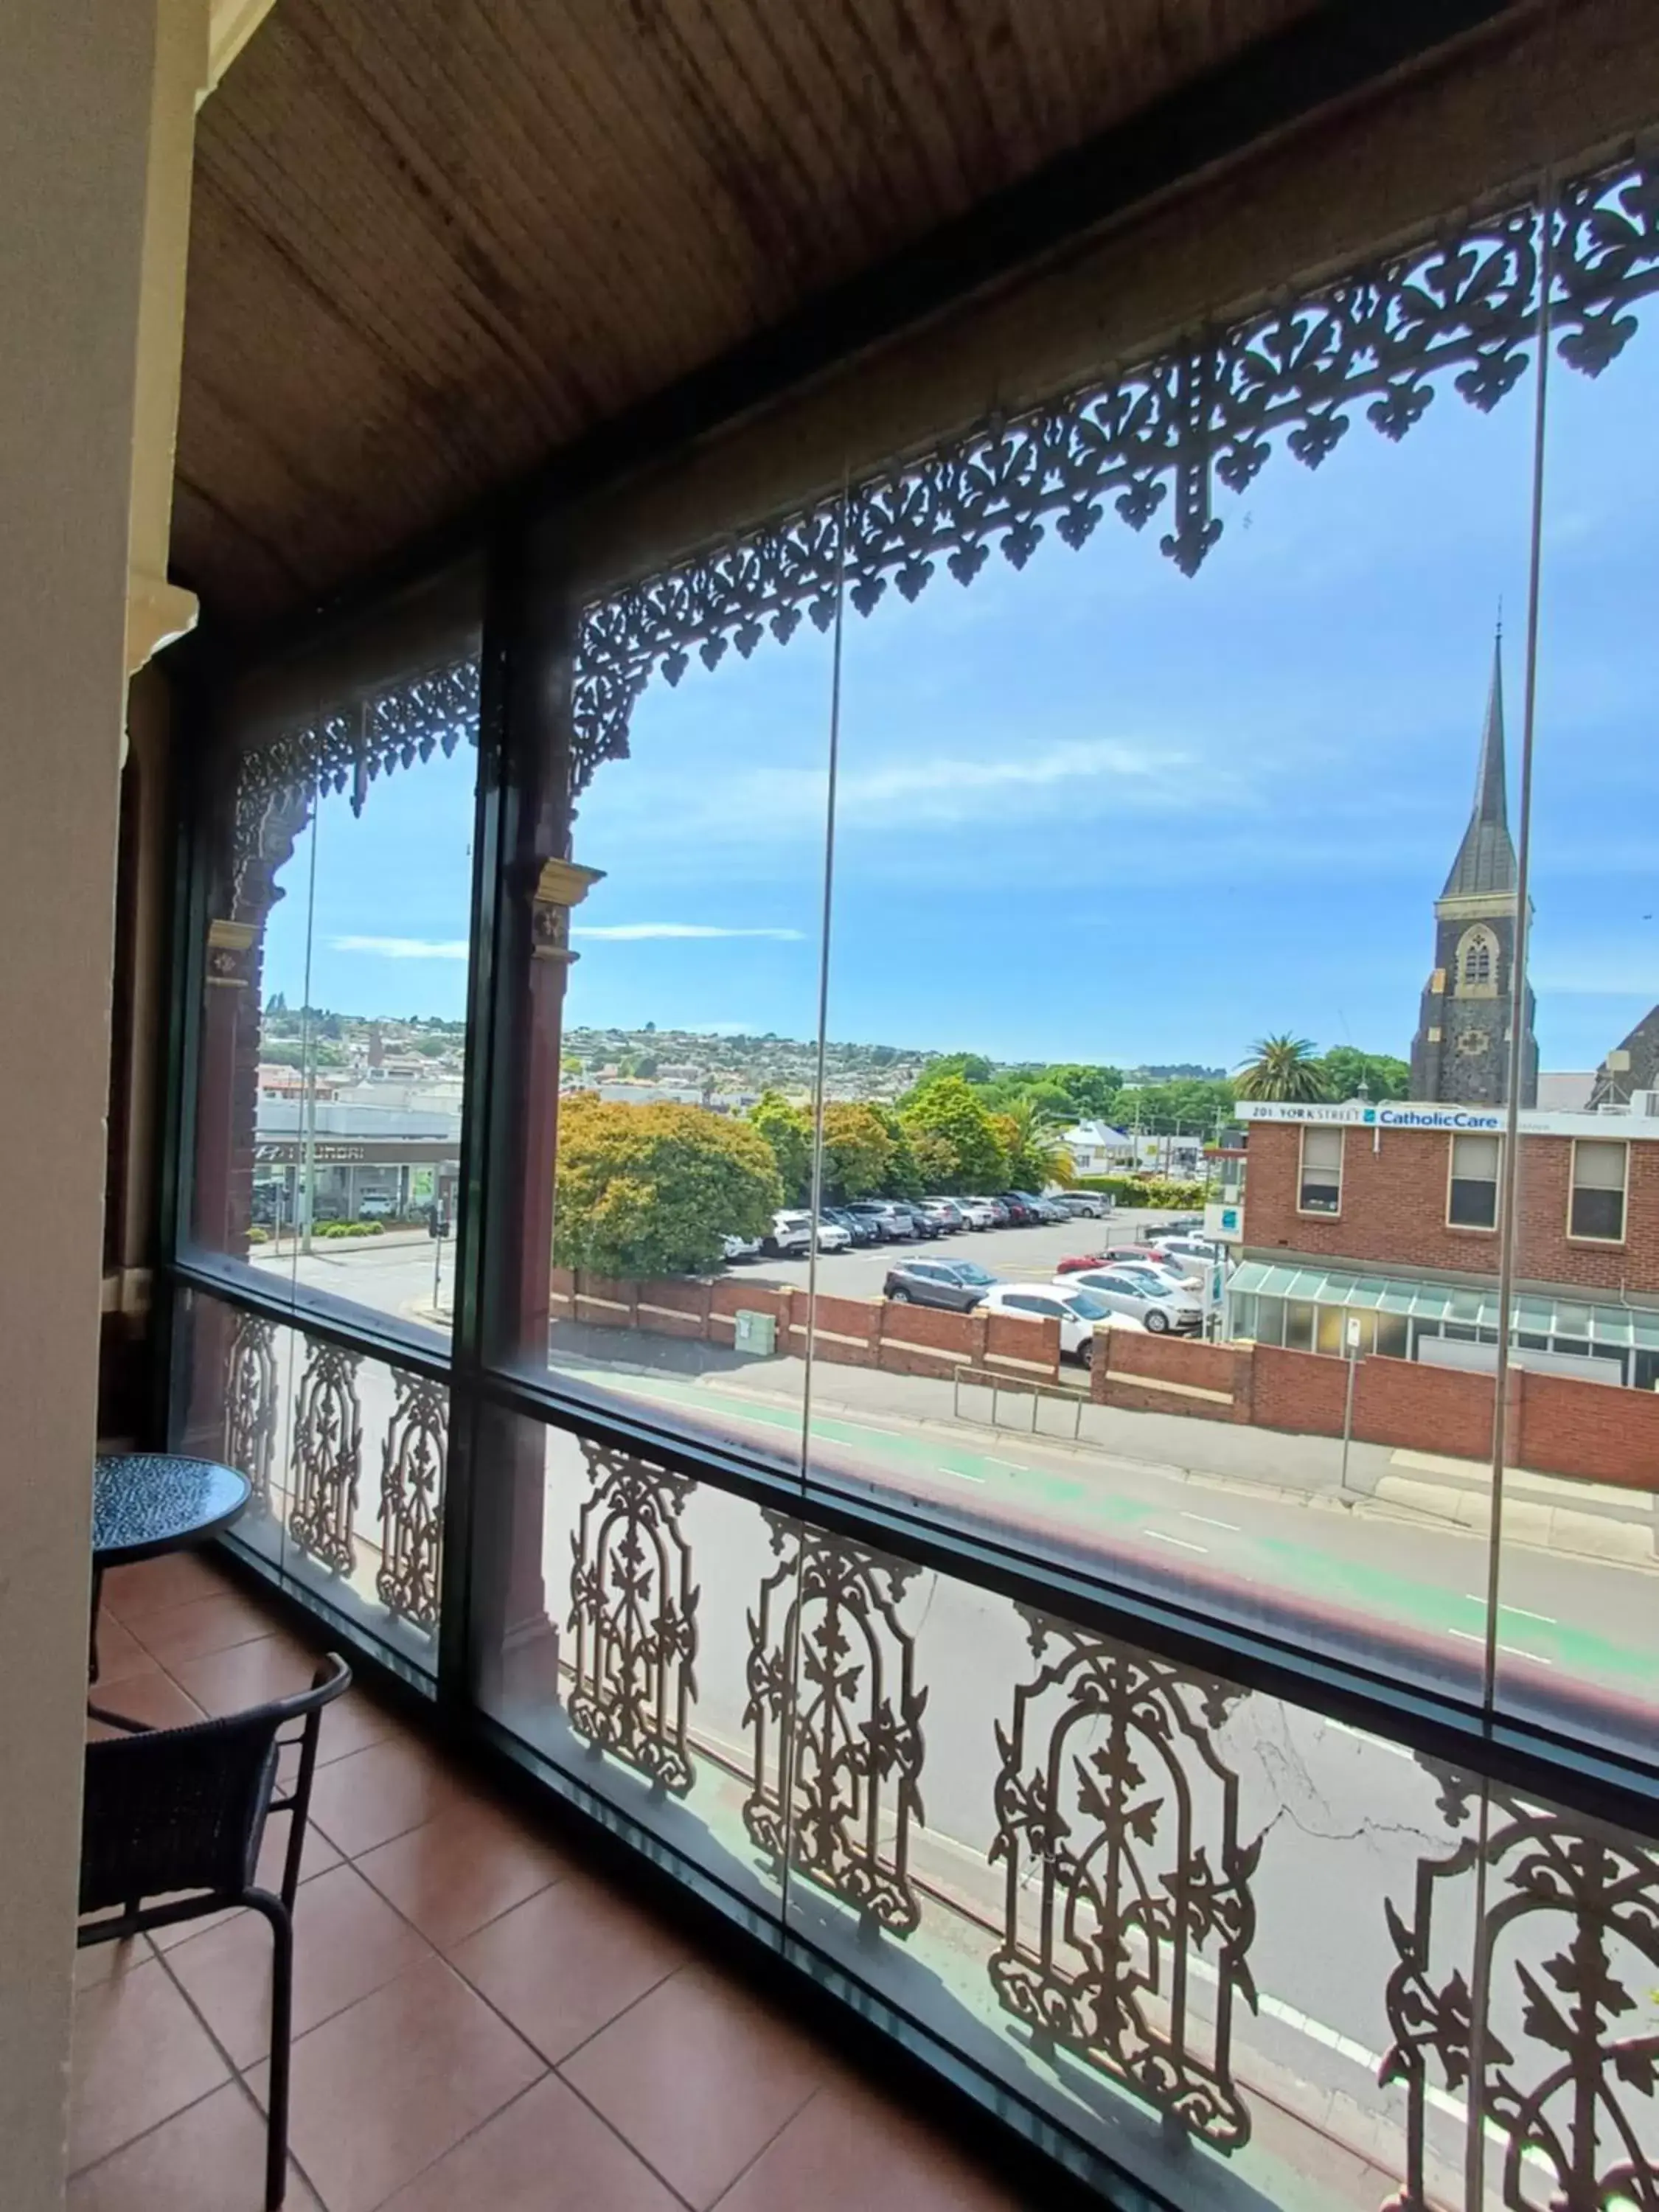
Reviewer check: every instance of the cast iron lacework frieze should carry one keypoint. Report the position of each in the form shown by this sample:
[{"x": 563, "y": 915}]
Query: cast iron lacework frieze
[
  {"x": 836, "y": 1721},
  {"x": 1560, "y": 2052},
  {"x": 328, "y": 1453},
  {"x": 633, "y": 1612},
  {"x": 251, "y": 1403},
  {"x": 412, "y": 1498},
  {"x": 1128, "y": 1891},
  {"x": 1155, "y": 440},
  {"x": 431, "y": 711}
]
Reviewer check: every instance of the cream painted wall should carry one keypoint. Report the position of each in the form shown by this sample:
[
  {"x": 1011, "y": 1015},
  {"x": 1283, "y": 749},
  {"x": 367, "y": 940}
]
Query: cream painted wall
[{"x": 74, "y": 117}]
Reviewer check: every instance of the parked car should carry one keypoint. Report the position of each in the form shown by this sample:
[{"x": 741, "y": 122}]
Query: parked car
[
  {"x": 832, "y": 1237},
  {"x": 920, "y": 1221},
  {"x": 1079, "y": 1313},
  {"x": 1159, "y": 1305},
  {"x": 978, "y": 1212},
  {"x": 957, "y": 1284},
  {"x": 1155, "y": 1258},
  {"x": 890, "y": 1219},
  {"x": 740, "y": 1248},
  {"x": 790, "y": 1235},
  {"x": 1022, "y": 1214},
  {"x": 858, "y": 1227},
  {"x": 947, "y": 1213},
  {"x": 1199, "y": 1251},
  {"x": 376, "y": 1206},
  {"x": 1083, "y": 1205}
]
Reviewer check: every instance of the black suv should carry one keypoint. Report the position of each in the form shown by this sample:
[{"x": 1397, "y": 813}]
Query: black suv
[{"x": 956, "y": 1283}]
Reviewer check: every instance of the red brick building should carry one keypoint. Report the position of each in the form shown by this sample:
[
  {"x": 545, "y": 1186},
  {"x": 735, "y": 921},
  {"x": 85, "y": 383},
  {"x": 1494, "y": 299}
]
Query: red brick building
[{"x": 1386, "y": 1216}]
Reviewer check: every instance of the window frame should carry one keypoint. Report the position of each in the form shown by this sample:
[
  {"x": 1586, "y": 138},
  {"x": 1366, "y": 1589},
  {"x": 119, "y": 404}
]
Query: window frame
[
  {"x": 1320, "y": 1213},
  {"x": 1472, "y": 1228},
  {"x": 1577, "y": 1236}
]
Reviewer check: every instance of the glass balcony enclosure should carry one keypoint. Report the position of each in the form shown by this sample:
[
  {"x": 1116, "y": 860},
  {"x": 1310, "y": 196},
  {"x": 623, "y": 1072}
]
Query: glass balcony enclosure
[{"x": 633, "y": 1017}]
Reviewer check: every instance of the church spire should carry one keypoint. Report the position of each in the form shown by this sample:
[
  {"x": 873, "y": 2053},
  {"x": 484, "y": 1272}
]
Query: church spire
[{"x": 1485, "y": 860}]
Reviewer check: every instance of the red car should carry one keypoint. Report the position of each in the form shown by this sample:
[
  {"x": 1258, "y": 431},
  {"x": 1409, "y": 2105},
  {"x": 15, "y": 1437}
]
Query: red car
[{"x": 1115, "y": 1255}]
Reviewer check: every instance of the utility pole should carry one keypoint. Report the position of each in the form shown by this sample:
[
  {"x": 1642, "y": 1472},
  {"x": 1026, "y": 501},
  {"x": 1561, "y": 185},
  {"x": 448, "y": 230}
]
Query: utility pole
[{"x": 1351, "y": 1347}]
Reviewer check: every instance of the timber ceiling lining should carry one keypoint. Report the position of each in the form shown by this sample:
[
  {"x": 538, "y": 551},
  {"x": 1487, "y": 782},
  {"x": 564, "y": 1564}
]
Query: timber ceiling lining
[{"x": 434, "y": 240}]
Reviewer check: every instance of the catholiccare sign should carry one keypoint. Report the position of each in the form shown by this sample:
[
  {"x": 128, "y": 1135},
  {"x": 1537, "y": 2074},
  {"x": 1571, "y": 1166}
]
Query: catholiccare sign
[{"x": 1428, "y": 1113}]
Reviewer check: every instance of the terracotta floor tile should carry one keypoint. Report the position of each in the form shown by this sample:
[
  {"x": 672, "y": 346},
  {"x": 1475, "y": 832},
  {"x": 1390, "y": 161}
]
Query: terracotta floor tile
[
  {"x": 132, "y": 1593},
  {"x": 140, "y": 2055},
  {"x": 567, "y": 1962},
  {"x": 468, "y": 1866},
  {"x": 348, "y": 1941},
  {"x": 546, "y": 2153},
  {"x": 209, "y": 2159},
  {"x": 200, "y": 1626},
  {"x": 249, "y": 1672},
  {"x": 99, "y": 1960},
  {"x": 155, "y": 1699},
  {"x": 119, "y": 1653},
  {"x": 849, "y": 2149},
  {"x": 698, "y": 2077},
  {"x": 381, "y": 1792},
  {"x": 383, "y": 2089}
]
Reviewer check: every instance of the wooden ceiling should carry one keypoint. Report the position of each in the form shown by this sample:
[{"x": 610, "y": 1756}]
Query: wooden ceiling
[{"x": 435, "y": 240}]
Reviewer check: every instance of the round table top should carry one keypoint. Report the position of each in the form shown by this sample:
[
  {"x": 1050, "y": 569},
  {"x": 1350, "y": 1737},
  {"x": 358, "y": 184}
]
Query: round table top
[{"x": 144, "y": 1503}]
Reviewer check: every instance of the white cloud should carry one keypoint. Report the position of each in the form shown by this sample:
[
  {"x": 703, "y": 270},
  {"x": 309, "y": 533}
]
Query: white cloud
[
  {"x": 403, "y": 948},
  {"x": 629, "y": 932}
]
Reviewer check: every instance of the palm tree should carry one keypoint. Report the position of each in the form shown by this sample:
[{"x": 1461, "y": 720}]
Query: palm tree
[
  {"x": 1282, "y": 1067},
  {"x": 1034, "y": 1158}
]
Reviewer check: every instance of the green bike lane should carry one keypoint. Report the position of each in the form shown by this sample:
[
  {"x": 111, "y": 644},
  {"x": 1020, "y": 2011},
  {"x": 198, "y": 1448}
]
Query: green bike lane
[{"x": 1563, "y": 1619}]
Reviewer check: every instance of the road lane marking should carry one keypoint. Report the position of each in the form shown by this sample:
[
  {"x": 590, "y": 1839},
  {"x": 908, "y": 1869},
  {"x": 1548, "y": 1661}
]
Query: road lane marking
[
  {"x": 1511, "y": 1651},
  {"x": 1473, "y": 1597},
  {"x": 1182, "y": 1540},
  {"x": 1232, "y": 1527}
]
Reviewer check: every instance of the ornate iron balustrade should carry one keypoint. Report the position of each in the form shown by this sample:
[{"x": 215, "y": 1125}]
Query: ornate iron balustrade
[
  {"x": 1154, "y": 440},
  {"x": 251, "y": 1403},
  {"x": 1106, "y": 1912},
  {"x": 634, "y": 1613},
  {"x": 836, "y": 1720},
  {"x": 412, "y": 1498},
  {"x": 328, "y": 1457},
  {"x": 1524, "y": 2005}
]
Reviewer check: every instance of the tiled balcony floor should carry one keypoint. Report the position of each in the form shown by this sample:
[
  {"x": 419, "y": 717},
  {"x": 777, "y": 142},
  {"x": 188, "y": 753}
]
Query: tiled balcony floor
[{"x": 481, "y": 2021}]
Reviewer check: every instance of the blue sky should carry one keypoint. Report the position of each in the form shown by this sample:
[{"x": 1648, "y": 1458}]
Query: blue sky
[{"x": 1094, "y": 810}]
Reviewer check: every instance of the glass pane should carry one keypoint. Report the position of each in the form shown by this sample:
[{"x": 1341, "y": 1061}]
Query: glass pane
[
  {"x": 669, "y": 989},
  {"x": 337, "y": 841},
  {"x": 1576, "y": 1643}
]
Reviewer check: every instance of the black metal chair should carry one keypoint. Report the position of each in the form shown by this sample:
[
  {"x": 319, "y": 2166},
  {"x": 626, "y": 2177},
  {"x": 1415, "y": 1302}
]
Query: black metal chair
[{"x": 184, "y": 1809}]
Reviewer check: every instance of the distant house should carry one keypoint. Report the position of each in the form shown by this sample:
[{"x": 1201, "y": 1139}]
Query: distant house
[{"x": 1097, "y": 1148}]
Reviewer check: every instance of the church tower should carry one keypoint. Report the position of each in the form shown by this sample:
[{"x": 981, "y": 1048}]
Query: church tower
[{"x": 1462, "y": 1049}]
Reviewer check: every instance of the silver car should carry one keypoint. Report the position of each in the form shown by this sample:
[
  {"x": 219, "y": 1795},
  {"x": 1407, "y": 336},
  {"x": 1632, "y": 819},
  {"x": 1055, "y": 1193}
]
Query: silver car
[{"x": 1163, "y": 1308}]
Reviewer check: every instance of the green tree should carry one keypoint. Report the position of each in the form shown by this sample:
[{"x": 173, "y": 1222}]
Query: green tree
[
  {"x": 1384, "y": 1076},
  {"x": 951, "y": 1109},
  {"x": 968, "y": 1067},
  {"x": 858, "y": 1151},
  {"x": 903, "y": 1175},
  {"x": 1281, "y": 1067},
  {"x": 935, "y": 1157},
  {"x": 789, "y": 1134},
  {"x": 1028, "y": 1135},
  {"x": 655, "y": 1190}
]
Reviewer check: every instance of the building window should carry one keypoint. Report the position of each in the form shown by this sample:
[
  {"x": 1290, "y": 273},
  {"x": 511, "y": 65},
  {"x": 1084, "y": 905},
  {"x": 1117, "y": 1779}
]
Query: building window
[
  {"x": 1321, "y": 1187},
  {"x": 1478, "y": 961},
  {"x": 1597, "y": 1209},
  {"x": 1472, "y": 1196}
]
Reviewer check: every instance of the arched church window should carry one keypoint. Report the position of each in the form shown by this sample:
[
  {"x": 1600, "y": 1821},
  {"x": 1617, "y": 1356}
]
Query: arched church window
[{"x": 1477, "y": 961}]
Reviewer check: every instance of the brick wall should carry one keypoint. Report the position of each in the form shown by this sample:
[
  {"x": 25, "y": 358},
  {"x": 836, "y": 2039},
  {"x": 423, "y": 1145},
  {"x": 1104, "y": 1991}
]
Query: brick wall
[
  {"x": 1560, "y": 1426},
  {"x": 1394, "y": 1209},
  {"x": 904, "y": 1339}
]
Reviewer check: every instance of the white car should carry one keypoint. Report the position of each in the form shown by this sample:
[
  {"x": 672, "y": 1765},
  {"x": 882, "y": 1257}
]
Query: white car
[
  {"x": 792, "y": 1232},
  {"x": 740, "y": 1248},
  {"x": 1160, "y": 1305},
  {"x": 1078, "y": 1312},
  {"x": 376, "y": 1206},
  {"x": 978, "y": 1212}
]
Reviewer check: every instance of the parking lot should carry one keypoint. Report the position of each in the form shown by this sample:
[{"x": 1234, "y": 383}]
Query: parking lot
[{"x": 1012, "y": 1254}]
